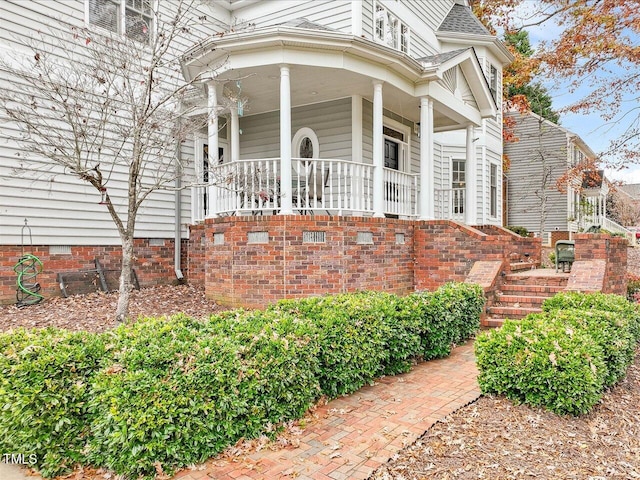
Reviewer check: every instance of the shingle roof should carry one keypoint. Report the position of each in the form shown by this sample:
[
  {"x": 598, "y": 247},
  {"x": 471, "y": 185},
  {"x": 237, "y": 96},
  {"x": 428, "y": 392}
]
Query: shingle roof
[
  {"x": 461, "y": 20},
  {"x": 304, "y": 23},
  {"x": 440, "y": 58}
]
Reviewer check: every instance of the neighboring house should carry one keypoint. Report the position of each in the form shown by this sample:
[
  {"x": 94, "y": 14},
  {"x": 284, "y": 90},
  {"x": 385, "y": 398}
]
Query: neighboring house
[
  {"x": 538, "y": 196},
  {"x": 367, "y": 109}
]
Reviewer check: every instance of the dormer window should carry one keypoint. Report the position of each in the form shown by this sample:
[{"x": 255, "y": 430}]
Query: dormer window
[
  {"x": 132, "y": 18},
  {"x": 390, "y": 30}
]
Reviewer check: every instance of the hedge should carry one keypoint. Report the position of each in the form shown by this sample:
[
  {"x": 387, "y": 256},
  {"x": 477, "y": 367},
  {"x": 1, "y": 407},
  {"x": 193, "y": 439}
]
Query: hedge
[
  {"x": 45, "y": 388},
  {"x": 543, "y": 363},
  {"x": 563, "y": 358},
  {"x": 161, "y": 394},
  {"x": 597, "y": 301}
]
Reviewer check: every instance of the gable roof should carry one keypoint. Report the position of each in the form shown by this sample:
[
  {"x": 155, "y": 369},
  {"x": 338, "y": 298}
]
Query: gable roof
[
  {"x": 462, "y": 20},
  {"x": 440, "y": 58}
]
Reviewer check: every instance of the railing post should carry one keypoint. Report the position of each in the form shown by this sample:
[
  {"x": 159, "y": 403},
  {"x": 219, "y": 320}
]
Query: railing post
[{"x": 212, "y": 142}]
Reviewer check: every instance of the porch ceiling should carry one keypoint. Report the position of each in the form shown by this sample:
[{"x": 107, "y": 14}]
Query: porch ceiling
[
  {"x": 324, "y": 66},
  {"x": 260, "y": 88}
]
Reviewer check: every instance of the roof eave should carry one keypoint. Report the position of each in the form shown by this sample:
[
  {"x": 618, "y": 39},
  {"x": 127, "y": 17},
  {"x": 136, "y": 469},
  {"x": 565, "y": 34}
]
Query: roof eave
[
  {"x": 216, "y": 48},
  {"x": 491, "y": 41}
]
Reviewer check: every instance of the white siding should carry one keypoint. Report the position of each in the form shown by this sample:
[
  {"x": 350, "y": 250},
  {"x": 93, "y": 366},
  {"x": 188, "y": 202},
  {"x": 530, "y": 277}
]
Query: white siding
[
  {"x": 60, "y": 208},
  {"x": 334, "y": 14},
  {"x": 331, "y": 121},
  {"x": 422, "y": 18}
]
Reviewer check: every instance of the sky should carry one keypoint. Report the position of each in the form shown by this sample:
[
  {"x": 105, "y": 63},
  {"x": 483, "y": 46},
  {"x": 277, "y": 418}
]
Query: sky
[{"x": 592, "y": 128}]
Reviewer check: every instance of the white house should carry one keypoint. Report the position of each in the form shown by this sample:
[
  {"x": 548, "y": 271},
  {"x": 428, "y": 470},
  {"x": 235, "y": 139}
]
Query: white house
[{"x": 371, "y": 108}]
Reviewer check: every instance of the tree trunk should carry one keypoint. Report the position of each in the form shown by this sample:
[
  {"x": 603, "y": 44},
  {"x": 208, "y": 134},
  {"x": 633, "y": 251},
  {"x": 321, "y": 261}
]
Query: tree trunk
[{"x": 122, "y": 310}]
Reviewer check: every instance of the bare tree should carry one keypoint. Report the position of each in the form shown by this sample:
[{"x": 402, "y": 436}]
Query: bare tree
[
  {"x": 623, "y": 208},
  {"x": 96, "y": 106}
]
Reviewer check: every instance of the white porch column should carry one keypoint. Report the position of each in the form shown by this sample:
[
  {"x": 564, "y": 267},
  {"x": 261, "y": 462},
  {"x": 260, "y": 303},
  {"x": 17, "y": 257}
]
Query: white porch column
[
  {"x": 286, "y": 205},
  {"x": 378, "y": 152},
  {"x": 235, "y": 135},
  {"x": 427, "y": 184},
  {"x": 212, "y": 141},
  {"x": 471, "y": 193}
]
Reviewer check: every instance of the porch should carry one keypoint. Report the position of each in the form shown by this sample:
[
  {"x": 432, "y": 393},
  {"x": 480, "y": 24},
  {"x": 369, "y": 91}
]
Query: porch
[
  {"x": 323, "y": 186},
  {"x": 325, "y": 123}
]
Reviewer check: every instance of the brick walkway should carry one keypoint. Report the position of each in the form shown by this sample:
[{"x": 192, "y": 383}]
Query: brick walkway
[{"x": 354, "y": 435}]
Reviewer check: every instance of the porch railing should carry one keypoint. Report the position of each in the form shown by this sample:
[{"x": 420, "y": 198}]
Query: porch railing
[
  {"x": 400, "y": 193},
  {"x": 450, "y": 204},
  {"x": 615, "y": 227},
  {"x": 318, "y": 185}
]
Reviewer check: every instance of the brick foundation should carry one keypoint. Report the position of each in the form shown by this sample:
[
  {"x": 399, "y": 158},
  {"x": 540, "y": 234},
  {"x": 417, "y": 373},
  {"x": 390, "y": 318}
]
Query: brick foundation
[
  {"x": 246, "y": 274},
  {"x": 403, "y": 256},
  {"x": 154, "y": 264}
]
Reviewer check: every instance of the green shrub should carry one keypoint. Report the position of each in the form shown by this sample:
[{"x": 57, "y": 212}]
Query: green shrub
[
  {"x": 633, "y": 288},
  {"x": 45, "y": 388},
  {"x": 597, "y": 301},
  {"x": 522, "y": 231},
  {"x": 179, "y": 391},
  {"x": 354, "y": 337},
  {"x": 446, "y": 317},
  {"x": 160, "y": 394},
  {"x": 611, "y": 332},
  {"x": 279, "y": 353},
  {"x": 542, "y": 362}
]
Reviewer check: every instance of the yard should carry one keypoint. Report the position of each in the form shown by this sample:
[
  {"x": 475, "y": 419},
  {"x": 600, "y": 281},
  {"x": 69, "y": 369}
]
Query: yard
[{"x": 490, "y": 438}]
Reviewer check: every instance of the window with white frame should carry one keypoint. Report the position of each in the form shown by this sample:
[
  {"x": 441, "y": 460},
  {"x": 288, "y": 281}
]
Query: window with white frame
[
  {"x": 390, "y": 30},
  {"x": 493, "y": 183},
  {"x": 493, "y": 81},
  {"x": 132, "y": 18}
]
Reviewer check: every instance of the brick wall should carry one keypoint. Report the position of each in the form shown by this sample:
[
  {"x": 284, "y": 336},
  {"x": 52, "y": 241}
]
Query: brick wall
[
  {"x": 254, "y": 274},
  {"x": 558, "y": 235},
  {"x": 401, "y": 256},
  {"x": 153, "y": 264},
  {"x": 445, "y": 251},
  {"x": 611, "y": 250}
]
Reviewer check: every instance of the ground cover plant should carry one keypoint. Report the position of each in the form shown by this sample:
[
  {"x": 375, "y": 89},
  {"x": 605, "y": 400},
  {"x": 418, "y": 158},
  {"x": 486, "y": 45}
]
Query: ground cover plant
[{"x": 160, "y": 394}]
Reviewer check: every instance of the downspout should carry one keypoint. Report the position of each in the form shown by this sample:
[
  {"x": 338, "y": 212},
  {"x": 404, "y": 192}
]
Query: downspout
[{"x": 177, "y": 239}]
